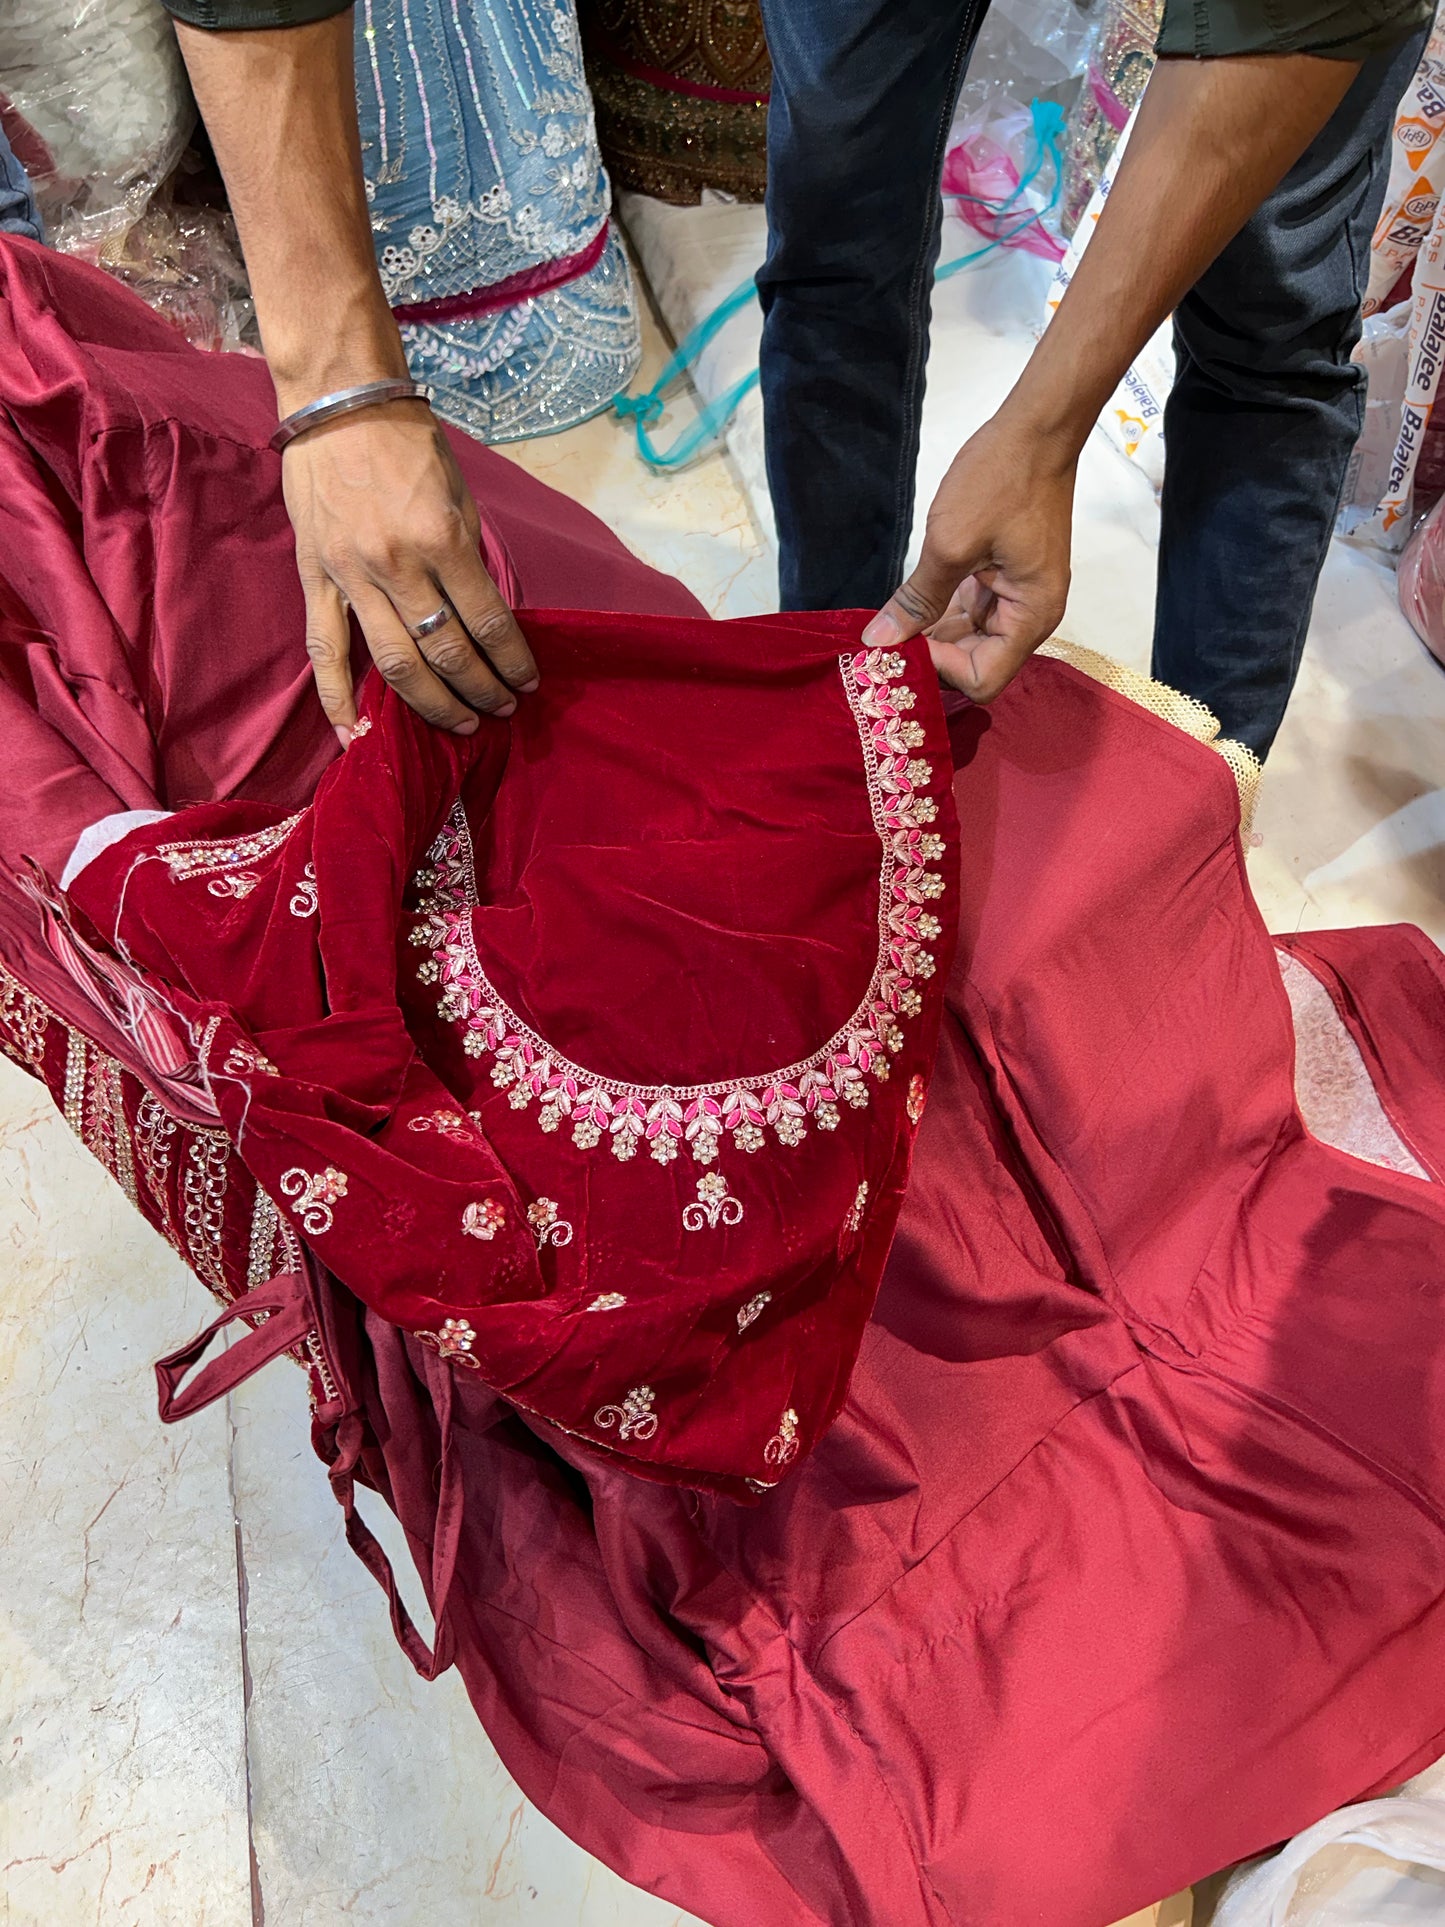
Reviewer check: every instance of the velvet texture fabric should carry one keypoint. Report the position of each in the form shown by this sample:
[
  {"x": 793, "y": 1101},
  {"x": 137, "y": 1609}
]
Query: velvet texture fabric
[
  {"x": 654, "y": 1208},
  {"x": 1123, "y": 1558}
]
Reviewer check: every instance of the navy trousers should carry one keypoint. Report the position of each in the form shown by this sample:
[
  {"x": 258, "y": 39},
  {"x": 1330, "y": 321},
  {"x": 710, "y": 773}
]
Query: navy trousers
[{"x": 1267, "y": 404}]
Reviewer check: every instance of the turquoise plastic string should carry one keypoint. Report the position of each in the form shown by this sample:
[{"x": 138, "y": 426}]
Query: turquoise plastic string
[
  {"x": 646, "y": 409},
  {"x": 643, "y": 410}
]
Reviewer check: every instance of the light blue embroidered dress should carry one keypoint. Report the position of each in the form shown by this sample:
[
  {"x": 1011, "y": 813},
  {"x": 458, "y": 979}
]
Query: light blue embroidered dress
[{"x": 489, "y": 206}]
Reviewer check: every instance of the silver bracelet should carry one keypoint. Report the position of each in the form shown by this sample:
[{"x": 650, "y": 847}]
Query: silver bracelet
[{"x": 327, "y": 407}]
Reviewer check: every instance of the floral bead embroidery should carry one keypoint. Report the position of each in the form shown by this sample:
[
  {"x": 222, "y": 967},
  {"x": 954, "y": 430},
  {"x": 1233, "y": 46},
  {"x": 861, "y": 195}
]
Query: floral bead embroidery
[
  {"x": 483, "y": 1219},
  {"x": 449, "y": 1124},
  {"x": 315, "y": 1193},
  {"x": 634, "y": 1417},
  {"x": 782, "y": 1447},
  {"x": 453, "y": 1342},
  {"x": 549, "y": 1226},
  {"x": 608, "y": 1301},
  {"x": 201, "y": 856},
  {"x": 666, "y": 1121},
  {"x": 713, "y": 1205},
  {"x": 917, "y": 1098},
  {"x": 753, "y": 1309}
]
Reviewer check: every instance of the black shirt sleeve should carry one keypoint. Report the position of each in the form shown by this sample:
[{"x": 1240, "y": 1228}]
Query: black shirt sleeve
[
  {"x": 1338, "y": 29},
  {"x": 228, "y": 16}
]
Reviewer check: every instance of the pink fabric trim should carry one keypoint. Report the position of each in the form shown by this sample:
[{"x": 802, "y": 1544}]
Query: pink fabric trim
[{"x": 505, "y": 294}]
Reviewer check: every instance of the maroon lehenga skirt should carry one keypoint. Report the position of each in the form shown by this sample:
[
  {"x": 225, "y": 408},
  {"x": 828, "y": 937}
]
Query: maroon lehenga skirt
[{"x": 1124, "y": 1557}]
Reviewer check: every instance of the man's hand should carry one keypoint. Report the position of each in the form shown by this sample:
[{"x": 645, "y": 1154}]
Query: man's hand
[
  {"x": 385, "y": 524},
  {"x": 1212, "y": 138},
  {"x": 993, "y": 577}
]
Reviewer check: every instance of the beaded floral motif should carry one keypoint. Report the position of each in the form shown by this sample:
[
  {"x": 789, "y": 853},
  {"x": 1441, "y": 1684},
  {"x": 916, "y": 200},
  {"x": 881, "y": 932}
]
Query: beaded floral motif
[
  {"x": 361, "y": 727},
  {"x": 26, "y": 1019},
  {"x": 753, "y": 1310},
  {"x": 208, "y": 856},
  {"x": 453, "y": 1343},
  {"x": 853, "y": 1216},
  {"x": 483, "y": 1220},
  {"x": 304, "y": 900},
  {"x": 549, "y": 1226},
  {"x": 634, "y": 1417},
  {"x": 782, "y": 1447},
  {"x": 607, "y": 1301},
  {"x": 449, "y": 1124},
  {"x": 314, "y": 1193},
  {"x": 203, "y": 1206},
  {"x": 666, "y": 1119},
  {"x": 917, "y": 1098},
  {"x": 712, "y": 1206},
  {"x": 155, "y": 1131}
]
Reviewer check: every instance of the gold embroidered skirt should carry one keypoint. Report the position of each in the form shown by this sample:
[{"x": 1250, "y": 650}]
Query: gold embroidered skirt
[{"x": 681, "y": 93}]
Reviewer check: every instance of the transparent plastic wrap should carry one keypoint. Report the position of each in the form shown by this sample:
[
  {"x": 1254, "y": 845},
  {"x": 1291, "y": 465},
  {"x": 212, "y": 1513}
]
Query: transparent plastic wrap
[
  {"x": 1003, "y": 175},
  {"x": 101, "y": 84},
  {"x": 177, "y": 251},
  {"x": 99, "y": 112},
  {"x": 1026, "y": 50},
  {"x": 1384, "y": 354}
]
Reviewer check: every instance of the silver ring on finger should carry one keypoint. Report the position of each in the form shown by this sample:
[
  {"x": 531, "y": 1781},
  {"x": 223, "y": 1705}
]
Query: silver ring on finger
[{"x": 428, "y": 626}]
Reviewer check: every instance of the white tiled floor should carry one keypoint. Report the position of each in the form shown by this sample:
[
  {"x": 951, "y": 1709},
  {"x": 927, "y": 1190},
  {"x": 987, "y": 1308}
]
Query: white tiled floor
[{"x": 205, "y": 1720}]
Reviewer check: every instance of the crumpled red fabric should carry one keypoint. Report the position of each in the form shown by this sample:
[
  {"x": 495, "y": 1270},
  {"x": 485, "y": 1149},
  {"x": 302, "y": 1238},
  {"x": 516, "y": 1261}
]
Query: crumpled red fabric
[{"x": 641, "y": 1164}]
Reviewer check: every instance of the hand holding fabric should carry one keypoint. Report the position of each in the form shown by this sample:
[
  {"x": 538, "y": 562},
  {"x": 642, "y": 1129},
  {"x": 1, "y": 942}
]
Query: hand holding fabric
[
  {"x": 386, "y": 525},
  {"x": 384, "y": 522},
  {"x": 1211, "y": 139},
  {"x": 993, "y": 577}
]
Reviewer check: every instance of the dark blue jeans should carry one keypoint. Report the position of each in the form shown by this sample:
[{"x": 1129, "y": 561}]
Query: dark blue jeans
[{"x": 1267, "y": 403}]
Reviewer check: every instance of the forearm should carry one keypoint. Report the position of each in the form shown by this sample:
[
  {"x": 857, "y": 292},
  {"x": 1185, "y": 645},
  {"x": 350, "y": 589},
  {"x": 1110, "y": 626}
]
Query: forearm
[
  {"x": 1212, "y": 139},
  {"x": 280, "y": 107}
]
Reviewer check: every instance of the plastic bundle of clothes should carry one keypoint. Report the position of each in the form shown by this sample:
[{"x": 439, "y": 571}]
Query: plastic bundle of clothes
[{"x": 841, "y": 1511}]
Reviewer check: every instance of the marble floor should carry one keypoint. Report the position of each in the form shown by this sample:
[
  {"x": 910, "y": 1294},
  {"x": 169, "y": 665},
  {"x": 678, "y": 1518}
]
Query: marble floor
[{"x": 204, "y": 1719}]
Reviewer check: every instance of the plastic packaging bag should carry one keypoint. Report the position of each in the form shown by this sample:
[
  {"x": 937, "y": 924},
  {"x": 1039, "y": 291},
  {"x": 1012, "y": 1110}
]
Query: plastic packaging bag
[
  {"x": 1000, "y": 182},
  {"x": 1383, "y": 352},
  {"x": 1417, "y": 174},
  {"x": 1425, "y": 355},
  {"x": 101, "y": 84},
  {"x": 1027, "y": 51},
  {"x": 1365, "y": 1866},
  {"x": 100, "y": 111}
]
